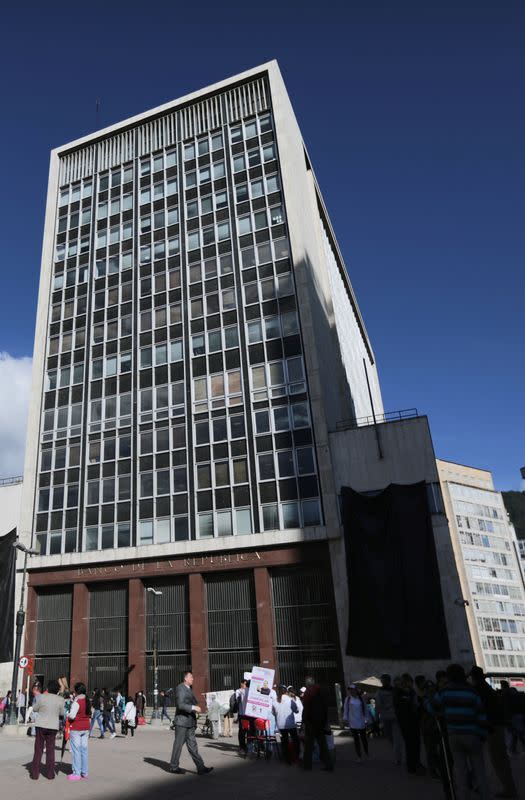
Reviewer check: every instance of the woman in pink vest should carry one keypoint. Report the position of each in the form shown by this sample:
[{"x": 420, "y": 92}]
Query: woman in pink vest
[{"x": 79, "y": 721}]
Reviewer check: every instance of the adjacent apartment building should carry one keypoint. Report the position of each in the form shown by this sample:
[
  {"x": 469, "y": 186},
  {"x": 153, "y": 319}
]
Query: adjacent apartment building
[
  {"x": 487, "y": 558},
  {"x": 196, "y": 337}
]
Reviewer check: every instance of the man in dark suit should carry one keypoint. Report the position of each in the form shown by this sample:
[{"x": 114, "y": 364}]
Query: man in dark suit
[{"x": 185, "y": 724}]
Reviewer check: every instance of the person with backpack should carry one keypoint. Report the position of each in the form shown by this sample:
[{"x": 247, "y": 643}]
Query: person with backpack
[
  {"x": 355, "y": 716},
  {"x": 315, "y": 720}
]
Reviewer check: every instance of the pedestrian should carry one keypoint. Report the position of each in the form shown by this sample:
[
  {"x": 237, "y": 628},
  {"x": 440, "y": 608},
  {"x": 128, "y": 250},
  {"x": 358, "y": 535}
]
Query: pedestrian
[
  {"x": 21, "y": 706},
  {"x": 164, "y": 706},
  {"x": 430, "y": 734},
  {"x": 407, "y": 714},
  {"x": 299, "y": 703},
  {"x": 140, "y": 703},
  {"x": 49, "y": 708},
  {"x": 97, "y": 704},
  {"x": 6, "y": 710},
  {"x": 118, "y": 704},
  {"x": 355, "y": 716},
  {"x": 129, "y": 717},
  {"x": 284, "y": 710},
  {"x": 107, "y": 713},
  {"x": 494, "y": 709},
  {"x": 214, "y": 715},
  {"x": 514, "y": 718},
  {"x": 315, "y": 720},
  {"x": 462, "y": 710},
  {"x": 79, "y": 723},
  {"x": 228, "y": 719},
  {"x": 387, "y": 716},
  {"x": 242, "y": 698},
  {"x": 185, "y": 721}
]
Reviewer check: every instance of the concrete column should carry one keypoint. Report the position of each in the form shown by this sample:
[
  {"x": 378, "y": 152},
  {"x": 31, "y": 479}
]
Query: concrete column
[
  {"x": 136, "y": 636},
  {"x": 198, "y": 635},
  {"x": 78, "y": 670},
  {"x": 263, "y": 599}
]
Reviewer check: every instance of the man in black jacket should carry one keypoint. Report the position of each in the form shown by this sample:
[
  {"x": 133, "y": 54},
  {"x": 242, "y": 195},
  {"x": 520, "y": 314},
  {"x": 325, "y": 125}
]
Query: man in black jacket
[{"x": 185, "y": 724}]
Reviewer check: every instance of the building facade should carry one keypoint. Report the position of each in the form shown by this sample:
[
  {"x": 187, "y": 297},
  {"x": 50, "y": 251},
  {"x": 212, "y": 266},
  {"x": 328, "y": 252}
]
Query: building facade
[
  {"x": 486, "y": 553},
  {"x": 197, "y": 337},
  {"x": 10, "y": 501}
]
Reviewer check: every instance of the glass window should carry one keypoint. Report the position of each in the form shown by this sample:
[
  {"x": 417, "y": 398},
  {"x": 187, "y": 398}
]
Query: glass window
[
  {"x": 250, "y": 129},
  {"x": 203, "y": 476},
  {"x": 258, "y": 377},
  {"x": 219, "y": 429},
  {"x": 219, "y": 170},
  {"x": 216, "y": 141},
  {"x": 163, "y": 481},
  {"x": 146, "y": 484},
  {"x": 202, "y": 432},
  {"x": 193, "y": 240},
  {"x": 272, "y": 184},
  {"x": 228, "y": 299},
  {"x": 198, "y": 346},
  {"x": 222, "y": 473},
  {"x": 161, "y": 354},
  {"x": 162, "y": 531},
  {"x": 254, "y": 157},
  {"x": 260, "y": 220},
  {"x": 280, "y": 418},
  {"x": 286, "y": 463},
  {"x": 217, "y": 385},
  {"x": 243, "y": 520},
  {"x": 266, "y": 467},
  {"x": 176, "y": 350},
  {"x": 262, "y": 421},
  {"x": 241, "y": 192},
  {"x": 179, "y": 480},
  {"x": 200, "y": 389},
  {"x": 269, "y": 152},
  {"x": 237, "y": 429},
  {"x": 204, "y": 174},
  {"x": 272, "y": 327},
  {"x": 257, "y": 188},
  {"x": 221, "y": 200},
  {"x": 240, "y": 471},
  {"x": 91, "y": 539},
  {"x": 191, "y": 179},
  {"x": 214, "y": 341},
  {"x": 189, "y": 151},
  {"x": 236, "y": 134},
  {"x": 254, "y": 331},
  {"x": 224, "y": 523},
  {"x": 291, "y": 515},
  {"x": 146, "y": 532},
  {"x": 223, "y": 231},
  {"x": 245, "y": 224},
  {"x": 123, "y": 535},
  {"x": 239, "y": 163},
  {"x": 205, "y": 522},
  {"x": 311, "y": 512},
  {"x": 270, "y": 517},
  {"x": 231, "y": 337},
  {"x": 124, "y": 488},
  {"x": 305, "y": 461}
]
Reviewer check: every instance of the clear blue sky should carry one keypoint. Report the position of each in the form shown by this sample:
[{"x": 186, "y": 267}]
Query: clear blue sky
[{"x": 414, "y": 117}]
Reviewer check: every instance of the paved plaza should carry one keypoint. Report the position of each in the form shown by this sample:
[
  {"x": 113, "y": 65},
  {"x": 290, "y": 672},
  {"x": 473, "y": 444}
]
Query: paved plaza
[{"x": 137, "y": 768}]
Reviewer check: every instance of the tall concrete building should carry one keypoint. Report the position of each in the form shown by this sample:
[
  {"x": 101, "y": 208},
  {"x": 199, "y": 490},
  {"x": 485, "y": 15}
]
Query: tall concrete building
[
  {"x": 197, "y": 338},
  {"x": 486, "y": 551}
]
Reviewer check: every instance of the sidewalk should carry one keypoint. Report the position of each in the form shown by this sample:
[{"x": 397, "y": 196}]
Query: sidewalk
[{"x": 137, "y": 768}]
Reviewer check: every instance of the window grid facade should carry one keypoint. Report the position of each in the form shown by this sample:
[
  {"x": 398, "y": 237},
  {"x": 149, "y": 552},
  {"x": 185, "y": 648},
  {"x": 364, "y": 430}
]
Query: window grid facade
[
  {"x": 492, "y": 573},
  {"x": 176, "y": 401}
]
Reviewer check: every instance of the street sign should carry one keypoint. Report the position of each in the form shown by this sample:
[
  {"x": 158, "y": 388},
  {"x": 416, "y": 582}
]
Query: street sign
[{"x": 24, "y": 661}]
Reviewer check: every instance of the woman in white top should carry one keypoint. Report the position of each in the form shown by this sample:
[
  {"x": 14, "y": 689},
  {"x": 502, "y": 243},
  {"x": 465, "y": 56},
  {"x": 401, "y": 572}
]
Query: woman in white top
[
  {"x": 129, "y": 717},
  {"x": 284, "y": 710},
  {"x": 354, "y": 714}
]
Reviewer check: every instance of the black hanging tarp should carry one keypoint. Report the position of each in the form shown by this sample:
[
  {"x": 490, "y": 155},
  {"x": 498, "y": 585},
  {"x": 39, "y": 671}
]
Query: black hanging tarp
[
  {"x": 7, "y": 595},
  {"x": 395, "y": 601}
]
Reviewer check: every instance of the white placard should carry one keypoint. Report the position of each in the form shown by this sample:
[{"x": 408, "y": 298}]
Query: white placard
[{"x": 259, "y": 702}]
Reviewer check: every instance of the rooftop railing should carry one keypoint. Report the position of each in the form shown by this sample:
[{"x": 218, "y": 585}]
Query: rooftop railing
[
  {"x": 388, "y": 416},
  {"x": 9, "y": 481}
]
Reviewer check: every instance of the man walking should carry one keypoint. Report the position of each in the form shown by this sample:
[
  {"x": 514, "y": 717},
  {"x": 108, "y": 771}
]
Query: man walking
[
  {"x": 461, "y": 709},
  {"x": 185, "y": 723},
  {"x": 495, "y": 711},
  {"x": 315, "y": 719}
]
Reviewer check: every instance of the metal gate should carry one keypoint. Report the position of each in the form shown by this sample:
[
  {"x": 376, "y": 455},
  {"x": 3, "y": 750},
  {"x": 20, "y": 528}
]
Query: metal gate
[
  {"x": 233, "y": 645},
  {"x": 173, "y": 634},
  {"x": 53, "y": 634},
  {"x": 305, "y": 622},
  {"x": 108, "y": 636}
]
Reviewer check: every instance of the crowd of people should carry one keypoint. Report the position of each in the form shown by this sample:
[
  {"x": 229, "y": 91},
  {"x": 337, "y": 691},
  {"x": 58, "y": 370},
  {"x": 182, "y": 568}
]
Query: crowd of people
[{"x": 439, "y": 727}]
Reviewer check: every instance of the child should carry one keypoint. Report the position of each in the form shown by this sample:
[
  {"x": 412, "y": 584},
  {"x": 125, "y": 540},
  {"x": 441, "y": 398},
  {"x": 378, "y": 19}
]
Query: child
[{"x": 129, "y": 718}]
